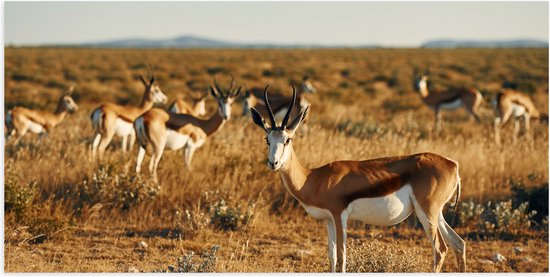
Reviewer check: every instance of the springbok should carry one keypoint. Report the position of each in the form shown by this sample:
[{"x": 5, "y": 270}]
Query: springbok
[
  {"x": 176, "y": 131},
  {"x": 111, "y": 119},
  {"x": 449, "y": 99},
  {"x": 20, "y": 120},
  {"x": 509, "y": 103},
  {"x": 383, "y": 191},
  {"x": 196, "y": 107}
]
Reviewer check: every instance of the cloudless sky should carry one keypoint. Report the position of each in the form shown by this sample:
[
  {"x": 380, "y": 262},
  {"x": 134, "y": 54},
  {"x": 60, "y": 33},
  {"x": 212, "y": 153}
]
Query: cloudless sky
[{"x": 329, "y": 23}]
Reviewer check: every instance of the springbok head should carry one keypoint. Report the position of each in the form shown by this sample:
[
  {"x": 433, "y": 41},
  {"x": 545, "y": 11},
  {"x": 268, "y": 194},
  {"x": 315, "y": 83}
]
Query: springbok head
[
  {"x": 152, "y": 90},
  {"x": 307, "y": 86},
  {"x": 225, "y": 97},
  {"x": 421, "y": 80},
  {"x": 279, "y": 138},
  {"x": 67, "y": 101}
]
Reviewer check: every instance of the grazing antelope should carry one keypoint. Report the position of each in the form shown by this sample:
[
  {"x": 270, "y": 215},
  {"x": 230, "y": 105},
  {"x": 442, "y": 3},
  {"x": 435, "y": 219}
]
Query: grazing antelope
[
  {"x": 111, "y": 119},
  {"x": 197, "y": 107},
  {"x": 20, "y": 120},
  {"x": 175, "y": 131},
  {"x": 509, "y": 103},
  {"x": 383, "y": 191},
  {"x": 450, "y": 99}
]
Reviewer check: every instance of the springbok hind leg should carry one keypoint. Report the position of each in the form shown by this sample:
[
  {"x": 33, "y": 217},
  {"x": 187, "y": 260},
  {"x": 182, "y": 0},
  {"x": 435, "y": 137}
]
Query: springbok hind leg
[
  {"x": 430, "y": 224},
  {"x": 456, "y": 243}
]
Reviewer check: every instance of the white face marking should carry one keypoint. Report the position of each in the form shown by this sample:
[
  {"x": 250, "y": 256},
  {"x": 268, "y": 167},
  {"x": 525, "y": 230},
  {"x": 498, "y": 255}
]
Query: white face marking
[
  {"x": 279, "y": 148},
  {"x": 70, "y": 105},
  {"x": 224, "y": 107},
  {"x": 423, "y": 83},
  {"x": 158, "y": 95}
]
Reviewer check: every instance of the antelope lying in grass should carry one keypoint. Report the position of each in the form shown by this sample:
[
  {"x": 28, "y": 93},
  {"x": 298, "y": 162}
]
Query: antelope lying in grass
[
  {"x": 176, "y": 131},
  {"x": 510, "y": 103},
  {"x": 383, "y": 191},
  {"x": 111, "y": 119},
  {"x": 450, "y": 99},
  {"x": 197, "y": 107},
  {"x": 20, "y": 120}
]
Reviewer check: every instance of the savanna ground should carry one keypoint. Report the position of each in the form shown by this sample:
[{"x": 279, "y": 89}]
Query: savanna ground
[{"x": 65, "y": 213}]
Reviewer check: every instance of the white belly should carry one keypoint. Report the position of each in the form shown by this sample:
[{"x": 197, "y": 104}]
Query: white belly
[
  {"x": 317, "y": 212},
  {"x": 383, "y": 211},
  {"x": 518, "y": 110},
  {"x": 452, "y": 105},
  {"x": 123, "y": 128},
  {"x": 35, "y": 127},
  {"x": 175, "y": 140}
]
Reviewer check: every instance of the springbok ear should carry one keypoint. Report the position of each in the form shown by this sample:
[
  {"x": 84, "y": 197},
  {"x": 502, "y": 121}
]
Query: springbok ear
[
  {"x": 143, "y": 80},
  {"x": 257, "y": 118},
  {"x": 297, "y": 120},
  {"x": 153, "y": 79}
]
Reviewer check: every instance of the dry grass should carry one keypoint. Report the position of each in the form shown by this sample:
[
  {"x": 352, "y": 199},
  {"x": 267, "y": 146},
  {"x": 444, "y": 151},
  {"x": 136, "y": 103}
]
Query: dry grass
[{"x": 365, "y": 108}]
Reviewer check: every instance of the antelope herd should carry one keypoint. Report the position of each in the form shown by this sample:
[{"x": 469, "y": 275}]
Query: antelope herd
[{"x": 382, "y": 191}]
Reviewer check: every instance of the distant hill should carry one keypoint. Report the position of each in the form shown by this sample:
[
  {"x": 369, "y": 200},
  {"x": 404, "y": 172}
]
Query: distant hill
[
  {"x": 194, "y": 42},
  {"x": 518, "y": 43}
]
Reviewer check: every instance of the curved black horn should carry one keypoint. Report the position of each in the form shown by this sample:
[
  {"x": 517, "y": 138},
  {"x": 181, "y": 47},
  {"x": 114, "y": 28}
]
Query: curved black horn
[
  {"x": 269, "y": 111},
  {"x": 218, "y": 89},
  {"x": 287, "y": 115}
]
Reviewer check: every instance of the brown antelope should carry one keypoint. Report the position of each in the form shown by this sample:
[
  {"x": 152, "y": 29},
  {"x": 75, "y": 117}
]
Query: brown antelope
[
  {"x": 509, "y": 103},
  {"x": 383, "y": 191},
  {"x": 450, "y": 99},
  {"x": 176, "y": 131},
  {"x": 20, "y": 120},
  {"x": 197, "y": 107},
  {"x": 111, "y": 119}
]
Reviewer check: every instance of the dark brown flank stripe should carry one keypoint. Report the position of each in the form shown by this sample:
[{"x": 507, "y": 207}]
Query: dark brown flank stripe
[{"x": 450, "y": 100}]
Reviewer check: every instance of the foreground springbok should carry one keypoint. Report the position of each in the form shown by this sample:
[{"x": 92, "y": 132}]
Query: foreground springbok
[
  {"x": 20, "y": 120},
  {"x": 196, "y": 107},
  {"x": 450, "y": 99},
  {"x": 383, "y": 191},
  {"x": 111, "y": 119},
  {"x": 509, "y": 103},
  {"x": 175, "y": 131}
]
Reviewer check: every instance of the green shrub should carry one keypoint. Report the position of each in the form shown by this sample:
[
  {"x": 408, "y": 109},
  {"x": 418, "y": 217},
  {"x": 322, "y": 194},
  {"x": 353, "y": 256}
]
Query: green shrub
[
  {"x": 228, "y": 218},
  {"x": 205, "y": 263},
  {"x": 18, "y": 197},
  {"x": 536, "y": 197}
]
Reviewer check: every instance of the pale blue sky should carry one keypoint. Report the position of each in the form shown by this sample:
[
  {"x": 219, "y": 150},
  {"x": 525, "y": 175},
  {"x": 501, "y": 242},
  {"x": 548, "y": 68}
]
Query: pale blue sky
[{"x": 348, "y": 23}]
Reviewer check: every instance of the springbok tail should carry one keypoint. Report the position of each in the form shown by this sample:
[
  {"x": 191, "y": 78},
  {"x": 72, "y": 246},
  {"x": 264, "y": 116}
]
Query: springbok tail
[
  {"x": 97, "y": 119},
  {"x": 457, "y": 197},
  {"x": 141, "y": 135}
]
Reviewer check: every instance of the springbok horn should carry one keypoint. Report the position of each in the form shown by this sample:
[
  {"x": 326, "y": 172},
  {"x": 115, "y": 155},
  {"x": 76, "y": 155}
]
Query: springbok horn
[
  {"x": 218, "y": 89},
  {"x": 269, "y": 111},
  {"x": 287, "y": 115}
]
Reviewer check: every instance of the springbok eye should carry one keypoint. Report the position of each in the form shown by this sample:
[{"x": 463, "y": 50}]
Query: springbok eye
[
  {"x": 267, "y": 140},
  {"x": 288, "y": 141}
]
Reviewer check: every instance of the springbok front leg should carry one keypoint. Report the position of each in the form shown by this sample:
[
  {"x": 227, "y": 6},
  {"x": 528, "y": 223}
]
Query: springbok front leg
[
  {"x": 340, "y": 243},
  {"x": 331, "y": 229}
]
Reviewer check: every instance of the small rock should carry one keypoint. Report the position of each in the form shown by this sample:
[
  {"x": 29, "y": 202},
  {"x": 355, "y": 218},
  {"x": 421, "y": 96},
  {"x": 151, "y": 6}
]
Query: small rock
[
  {"x": 518, "y": 250},
  {"x": 132, "y": 269},
  {"x": 143, "y": 245},
  {"x": 171, "y": 268},
  {"x": 527, "y": 260},
  {"x": 499, "y": 258}
]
